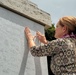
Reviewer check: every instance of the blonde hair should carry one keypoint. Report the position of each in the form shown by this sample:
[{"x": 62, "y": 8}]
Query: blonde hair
[{"x": 69, "y": 22}]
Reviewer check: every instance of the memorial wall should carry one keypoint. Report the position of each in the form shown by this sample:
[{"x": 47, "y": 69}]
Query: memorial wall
[{"x": 15, "y": 57}]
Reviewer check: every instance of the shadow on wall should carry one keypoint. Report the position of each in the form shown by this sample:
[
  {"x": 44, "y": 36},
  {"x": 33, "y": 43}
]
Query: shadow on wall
[
  {"x": 50, "y": 31},
  {"x": 49, "y": 61}
]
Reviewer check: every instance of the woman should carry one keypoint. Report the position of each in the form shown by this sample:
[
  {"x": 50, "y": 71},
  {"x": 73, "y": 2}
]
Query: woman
[{"x": 62, "y": 50}]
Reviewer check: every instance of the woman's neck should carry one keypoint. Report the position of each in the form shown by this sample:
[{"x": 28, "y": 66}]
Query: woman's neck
[{"x": 72, "y": 35}]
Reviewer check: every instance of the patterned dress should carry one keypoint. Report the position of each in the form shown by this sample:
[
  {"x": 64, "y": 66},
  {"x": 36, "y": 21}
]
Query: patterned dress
[{"x": 63, "y": 54}]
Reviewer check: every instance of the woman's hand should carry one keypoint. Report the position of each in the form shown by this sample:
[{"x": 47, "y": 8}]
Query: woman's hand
[
  {"x": 41, "y": 37},
  {"x": 29, "y": 37},
  {"x": 28, "y": 34}
]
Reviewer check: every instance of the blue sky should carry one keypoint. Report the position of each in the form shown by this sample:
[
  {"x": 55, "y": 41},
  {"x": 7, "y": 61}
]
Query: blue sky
[{"x": 57, "y": 8}]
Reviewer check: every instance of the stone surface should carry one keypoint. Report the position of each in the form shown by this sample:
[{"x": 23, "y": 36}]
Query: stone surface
[
  {"x": 15, "y": 58},
  {"x": 11, "y": 47},
  {"x": 28, "y": 8}
]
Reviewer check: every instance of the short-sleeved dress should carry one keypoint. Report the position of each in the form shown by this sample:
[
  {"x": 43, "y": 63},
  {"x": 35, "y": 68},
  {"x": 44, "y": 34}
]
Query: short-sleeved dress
[{"x": 63, "y": 55}]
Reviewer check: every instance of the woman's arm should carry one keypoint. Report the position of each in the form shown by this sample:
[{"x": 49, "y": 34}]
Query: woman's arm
[
  {"x": 48, "y": 49},
  {"x": 31, "y": 43}
]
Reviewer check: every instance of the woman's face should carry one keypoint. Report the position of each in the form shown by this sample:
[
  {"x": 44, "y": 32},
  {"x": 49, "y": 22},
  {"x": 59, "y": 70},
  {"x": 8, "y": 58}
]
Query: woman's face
[{"x": 59, "y": 31}]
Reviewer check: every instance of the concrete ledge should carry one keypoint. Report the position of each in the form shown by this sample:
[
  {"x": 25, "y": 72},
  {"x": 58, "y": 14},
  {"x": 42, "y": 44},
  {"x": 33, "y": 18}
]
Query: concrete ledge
[{"x": 29, "y": 10}]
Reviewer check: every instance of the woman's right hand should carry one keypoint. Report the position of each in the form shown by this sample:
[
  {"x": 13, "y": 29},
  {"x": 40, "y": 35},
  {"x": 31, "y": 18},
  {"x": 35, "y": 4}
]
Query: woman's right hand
[{"x": 41, "y": 37}]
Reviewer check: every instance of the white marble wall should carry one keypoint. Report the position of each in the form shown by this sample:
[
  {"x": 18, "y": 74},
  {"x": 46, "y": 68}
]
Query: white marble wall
[
  {"x": 15, "y": 58},
  {"x": 11, "y": 47}
]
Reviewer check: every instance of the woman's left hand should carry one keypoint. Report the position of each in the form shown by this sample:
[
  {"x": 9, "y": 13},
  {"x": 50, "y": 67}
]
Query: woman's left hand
[{"x": 28, "y": 34}]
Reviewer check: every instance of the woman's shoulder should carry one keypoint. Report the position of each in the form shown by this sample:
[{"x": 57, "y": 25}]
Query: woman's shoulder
[
  {"x": 58, "y": 40},
  {"x": 62, "y": 41}
]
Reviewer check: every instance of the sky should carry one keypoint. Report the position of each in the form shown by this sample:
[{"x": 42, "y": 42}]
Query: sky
[{"x": 57, "y": 8}]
